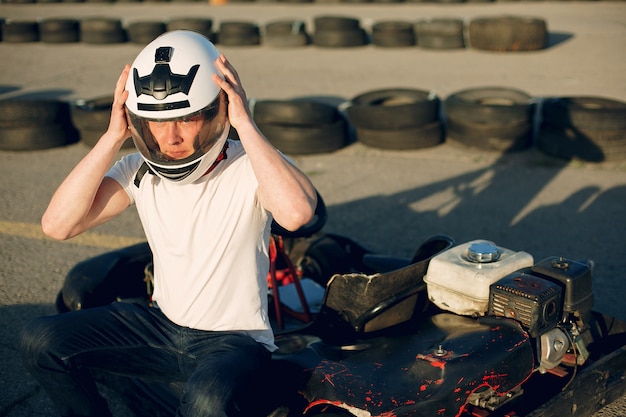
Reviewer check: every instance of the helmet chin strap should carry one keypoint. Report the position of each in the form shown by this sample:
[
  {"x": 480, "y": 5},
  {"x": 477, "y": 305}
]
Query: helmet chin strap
[
  {"x": 145, "y": 168},
  {"x": 219, "y": 159}
]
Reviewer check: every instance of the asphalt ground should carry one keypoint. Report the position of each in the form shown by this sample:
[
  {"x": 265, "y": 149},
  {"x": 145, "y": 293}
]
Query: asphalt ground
[{"x": 390, "y": 201}]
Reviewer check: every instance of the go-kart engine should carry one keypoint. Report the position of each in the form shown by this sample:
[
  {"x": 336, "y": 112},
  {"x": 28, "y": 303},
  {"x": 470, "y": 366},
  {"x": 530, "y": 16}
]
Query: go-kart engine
[{"x": 552, "y": 300}]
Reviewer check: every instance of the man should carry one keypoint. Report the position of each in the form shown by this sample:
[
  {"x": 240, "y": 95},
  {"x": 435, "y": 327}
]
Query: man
[{"x": 206, "y": 204}]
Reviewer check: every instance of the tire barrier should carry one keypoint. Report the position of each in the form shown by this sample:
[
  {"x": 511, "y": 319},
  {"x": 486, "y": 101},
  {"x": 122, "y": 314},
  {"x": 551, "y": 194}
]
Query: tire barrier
[
  {"x": 338, "y": 32},
  {"x": 91, "y": 119},
  {"x": 508, "y": 33},
  {"x": 400, "y": 118},
  {"x": 144, "y": 32},
  {"x": 591, "y": 129},
  {"x": 440, "y": 33},
  {"x": 29, "y": 125},
  {"x": 201, "y": 25},
  {"x": 501, "y": 33},
  {"x": 102, "y": 30},
  {"x": 14, "y": 31},
  {"x": 235, "y": 33},
  {"x": 393, "y": 33},
  {"x": 59, "y": 30},
  {"x": 496, "y": 119},
  {"x": 286, "y": 33},
  {"x": 301, "y": 127},
  {"x": 493, "y": 119}
]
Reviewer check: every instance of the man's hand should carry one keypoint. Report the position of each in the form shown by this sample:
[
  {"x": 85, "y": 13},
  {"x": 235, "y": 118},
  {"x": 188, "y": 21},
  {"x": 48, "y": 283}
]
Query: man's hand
[
  {"x": 238, "y": 109},
  {"x": 118, "y": 124}
]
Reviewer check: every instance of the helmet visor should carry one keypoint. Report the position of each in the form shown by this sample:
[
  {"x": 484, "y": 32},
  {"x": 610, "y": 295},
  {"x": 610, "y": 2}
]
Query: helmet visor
[{"x": 202, "y": 128}]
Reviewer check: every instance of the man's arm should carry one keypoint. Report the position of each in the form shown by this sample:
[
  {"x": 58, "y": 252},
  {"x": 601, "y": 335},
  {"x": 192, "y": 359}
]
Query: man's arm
[
  {"x": 284, "y": 190},
  {"x": 86, "y": 198}
]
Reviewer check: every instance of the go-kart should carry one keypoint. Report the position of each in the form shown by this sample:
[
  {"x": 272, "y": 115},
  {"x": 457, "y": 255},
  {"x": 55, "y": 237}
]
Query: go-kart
[{"x": 469, "y": 329}]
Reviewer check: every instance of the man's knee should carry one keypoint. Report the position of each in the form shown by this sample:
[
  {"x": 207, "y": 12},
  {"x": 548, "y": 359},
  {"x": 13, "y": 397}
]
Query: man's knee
[
  {"x": 37, "y": 340},
  {"x": 206, "y": 398}
]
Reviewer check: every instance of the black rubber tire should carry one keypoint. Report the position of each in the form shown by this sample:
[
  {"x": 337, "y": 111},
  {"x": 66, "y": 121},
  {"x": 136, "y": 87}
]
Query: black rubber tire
[
  {"x": 286, "y": 33},
  {"x": 508, "y": 33},
  {"x": 336, "y": 23},
  {"x": 393, "y": 108},
  {"x": 501, "y": 138},
  {"x": 294, "y": 112},
  {"x": 306, "y": 140},
  {"x": 393, "y": 33},
  {"x": 59, "y": 30},
  {"x": 102, "y": 30},
  {"x": 24, "y": 113},
  {"x": 583, "y": 144},
  {"x": 36, "y": 137},
  {"x": 284, "y": 27},
  {"x": 415, "y": 137},
  {"x": 92, "y": 114},
  {"x": 201, "y": 25},
  {"x": 144, "y": 32},
  {"x": 18, "y": 31},
  {"x": 340, "y": 38},
  {"x": 441, "y": 42},
  {"x": 492, "y": 105},
  {"x": 444, "y": 26},
  {"x": 91, "y": 118},
  {"x": 440, "y": 33},
  {"x": 287, "y": 41},
  {"x": 235, "y": 33},
  {"x": 597, "y": 113}
]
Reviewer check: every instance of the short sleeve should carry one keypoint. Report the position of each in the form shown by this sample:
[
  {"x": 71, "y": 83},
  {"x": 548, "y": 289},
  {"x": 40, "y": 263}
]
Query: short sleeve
[{"x": 124, "y": 171}]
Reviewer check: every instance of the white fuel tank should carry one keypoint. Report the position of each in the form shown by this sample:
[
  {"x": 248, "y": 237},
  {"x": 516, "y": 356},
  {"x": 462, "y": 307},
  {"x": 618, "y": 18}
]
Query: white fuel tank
[{"x": 458, "y": 279}]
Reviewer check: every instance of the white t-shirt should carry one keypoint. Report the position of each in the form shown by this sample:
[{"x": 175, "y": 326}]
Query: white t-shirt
[{"x": 210, "y": 245}]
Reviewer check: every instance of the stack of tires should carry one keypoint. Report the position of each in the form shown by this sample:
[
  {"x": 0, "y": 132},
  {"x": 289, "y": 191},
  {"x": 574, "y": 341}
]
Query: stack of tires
[
  {"x": 497, "y": 119},
  {"x": 145, "y": 31},
  {"x": 202, "y": 25},
  {"x": 397, "y": 118},
  {"x": 15, "y": 31},
  {"x": 300, "y": 127},
  {"x": 102, "y": 30},
  {"x": 508, "y": 33},
  {"x": 239, "y": 33},
  {"x": 583, "y": 128},
  {"x": 338, "y": 31},
  {"x": 286, "y": 33},
  {"x": 91, "y": 118},
  {"x": 59, "y": 30},
  {"x": 27, "y": 125},
  {"x": 393, "y": 33},
  {"x": 440, "y": 33}
]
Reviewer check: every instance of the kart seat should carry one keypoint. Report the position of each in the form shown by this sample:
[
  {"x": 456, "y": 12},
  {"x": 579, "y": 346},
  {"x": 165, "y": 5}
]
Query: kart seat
[{"x": 362, "y": 304}]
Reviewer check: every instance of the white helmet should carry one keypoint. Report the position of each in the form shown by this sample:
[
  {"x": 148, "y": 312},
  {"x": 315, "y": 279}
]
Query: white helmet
[{"x": 170, "y": 80}]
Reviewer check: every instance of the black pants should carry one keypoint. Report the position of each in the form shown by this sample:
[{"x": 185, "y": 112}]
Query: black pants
[{"x": 218, "y": 369}]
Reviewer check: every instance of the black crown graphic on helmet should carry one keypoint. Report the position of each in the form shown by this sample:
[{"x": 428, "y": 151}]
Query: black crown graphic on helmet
[{"x": 162, "y": 82}]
